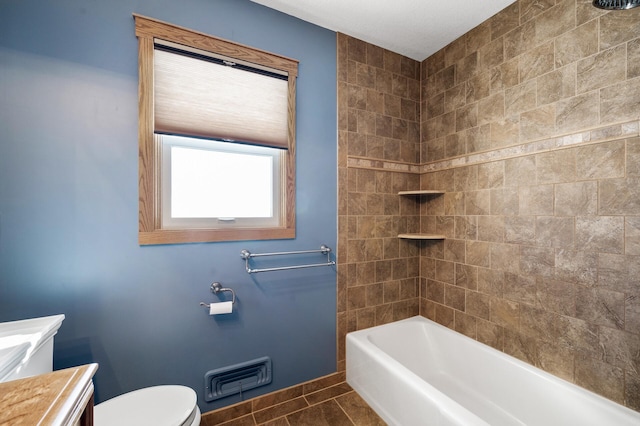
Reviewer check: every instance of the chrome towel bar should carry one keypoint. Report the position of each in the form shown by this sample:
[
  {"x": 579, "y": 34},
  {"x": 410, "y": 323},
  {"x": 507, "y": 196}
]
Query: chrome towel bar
[{"x": 246, "y": 255}]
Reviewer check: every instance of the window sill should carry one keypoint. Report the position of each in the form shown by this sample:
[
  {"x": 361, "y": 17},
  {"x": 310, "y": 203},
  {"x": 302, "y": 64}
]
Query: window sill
[{"x": 182, "y": 236}]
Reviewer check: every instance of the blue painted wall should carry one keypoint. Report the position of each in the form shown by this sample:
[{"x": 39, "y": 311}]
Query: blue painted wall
[{"x": 68, "y": 203}]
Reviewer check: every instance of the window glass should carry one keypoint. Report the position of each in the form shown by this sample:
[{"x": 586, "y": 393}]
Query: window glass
[{"x": 219, "y": 184}]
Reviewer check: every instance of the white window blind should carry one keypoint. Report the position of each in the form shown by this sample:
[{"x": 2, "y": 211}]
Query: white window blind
[{"x": 199, "y": 98}]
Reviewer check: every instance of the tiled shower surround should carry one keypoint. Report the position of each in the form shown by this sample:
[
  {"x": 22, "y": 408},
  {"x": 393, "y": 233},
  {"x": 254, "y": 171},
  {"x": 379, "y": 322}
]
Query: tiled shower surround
[{"x": 529, "y": 125}]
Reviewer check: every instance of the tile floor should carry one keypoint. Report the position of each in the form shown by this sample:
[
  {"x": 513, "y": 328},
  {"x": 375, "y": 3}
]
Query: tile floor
[{"x": 327, "y": 401}]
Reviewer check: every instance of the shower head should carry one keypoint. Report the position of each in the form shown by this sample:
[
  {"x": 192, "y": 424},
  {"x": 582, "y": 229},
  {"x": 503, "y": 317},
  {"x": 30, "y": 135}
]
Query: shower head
[{"x": 616, "y": 4}]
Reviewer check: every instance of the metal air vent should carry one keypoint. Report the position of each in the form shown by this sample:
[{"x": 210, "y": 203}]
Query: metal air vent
[{"x": 238, "y": 378}]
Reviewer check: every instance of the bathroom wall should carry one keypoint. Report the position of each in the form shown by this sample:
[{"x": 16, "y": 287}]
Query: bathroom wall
[
  {"x": 530, "y": 126},
  {"x": 69, "y": 203},
  {"x": 378, "y": 138}
]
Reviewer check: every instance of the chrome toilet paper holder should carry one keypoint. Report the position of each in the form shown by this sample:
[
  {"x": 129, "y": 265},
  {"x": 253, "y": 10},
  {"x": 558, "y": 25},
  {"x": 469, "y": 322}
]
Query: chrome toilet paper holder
[{"x": 216, "y": 288}]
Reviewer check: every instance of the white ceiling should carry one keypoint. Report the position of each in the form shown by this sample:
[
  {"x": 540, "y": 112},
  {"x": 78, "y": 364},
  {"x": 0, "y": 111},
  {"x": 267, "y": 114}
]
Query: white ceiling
[{"x": 414, "y": 28}]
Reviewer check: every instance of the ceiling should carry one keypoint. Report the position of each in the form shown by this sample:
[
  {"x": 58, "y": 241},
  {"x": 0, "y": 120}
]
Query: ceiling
[{"x": 414, "y": 28}]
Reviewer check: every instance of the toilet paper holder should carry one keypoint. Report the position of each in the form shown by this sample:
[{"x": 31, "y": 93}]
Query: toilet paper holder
[{"x": 216, "y": 287}]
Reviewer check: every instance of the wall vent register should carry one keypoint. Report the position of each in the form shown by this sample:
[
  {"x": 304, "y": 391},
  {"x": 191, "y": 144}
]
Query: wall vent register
[{"x": 237, "y": 378}]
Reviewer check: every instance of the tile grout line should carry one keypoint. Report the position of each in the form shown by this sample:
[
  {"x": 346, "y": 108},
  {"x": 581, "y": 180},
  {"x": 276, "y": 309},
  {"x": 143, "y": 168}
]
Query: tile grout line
[{"x": 345, "y": 411}]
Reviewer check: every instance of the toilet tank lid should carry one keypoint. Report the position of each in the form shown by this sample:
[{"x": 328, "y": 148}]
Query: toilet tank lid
[{"x": 157, "y": 405}]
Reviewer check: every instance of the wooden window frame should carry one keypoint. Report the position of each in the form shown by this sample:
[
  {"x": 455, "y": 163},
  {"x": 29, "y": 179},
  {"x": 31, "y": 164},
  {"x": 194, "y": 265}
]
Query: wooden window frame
[{"x": 150, "y": 229}]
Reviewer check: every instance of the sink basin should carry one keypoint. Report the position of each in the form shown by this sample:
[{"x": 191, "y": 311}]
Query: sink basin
[
  {"x": 26, "y": 347},
  {"x": 11, "y": 357}
]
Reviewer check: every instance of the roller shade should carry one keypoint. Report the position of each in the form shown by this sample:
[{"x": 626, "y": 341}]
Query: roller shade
[{"x": 201, "y": 98}]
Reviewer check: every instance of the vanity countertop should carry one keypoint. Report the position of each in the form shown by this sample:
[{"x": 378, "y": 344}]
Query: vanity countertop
[{"x": 63, "y": 397}]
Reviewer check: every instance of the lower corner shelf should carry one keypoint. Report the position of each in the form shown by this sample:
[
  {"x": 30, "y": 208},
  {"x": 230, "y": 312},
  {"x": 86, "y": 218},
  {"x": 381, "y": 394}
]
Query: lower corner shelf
[{"x": 421, "y": 237}]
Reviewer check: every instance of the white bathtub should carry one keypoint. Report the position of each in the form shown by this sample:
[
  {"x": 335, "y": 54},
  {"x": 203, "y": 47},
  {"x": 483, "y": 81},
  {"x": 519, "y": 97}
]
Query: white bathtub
[{"x": 417, "y": 372}]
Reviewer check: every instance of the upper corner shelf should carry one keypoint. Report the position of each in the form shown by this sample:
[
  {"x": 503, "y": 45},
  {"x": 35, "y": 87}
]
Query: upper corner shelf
[{"x": 421, "y": 192}]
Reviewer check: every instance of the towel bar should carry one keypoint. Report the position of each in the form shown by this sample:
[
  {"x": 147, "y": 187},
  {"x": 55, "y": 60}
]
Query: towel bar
[{"x": 246, "y": 255}]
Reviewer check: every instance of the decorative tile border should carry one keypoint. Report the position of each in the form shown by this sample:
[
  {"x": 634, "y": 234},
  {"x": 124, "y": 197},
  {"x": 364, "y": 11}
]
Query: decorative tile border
[
  {"x": 599, "y": 134},
  {"x": 382, "y": 165}
]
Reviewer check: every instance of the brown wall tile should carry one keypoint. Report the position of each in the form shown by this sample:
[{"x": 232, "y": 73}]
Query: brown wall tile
[
  {"x": 586, "y": 12},
  {"x": 633, "y": 58},
  {"x": 579, "y": 112},
  {"x": 577, "y": 44},
  {"x": 478, "y": 253},
  {"x": 531, "y": 8},
  {"x": 620, "y": 102},
  {"x": 611, "y": 23},
  {"x": 556, "y": 296},
  {"x": 467, "y": 67},
  {"x": 478, "y": 37},
  {"x": 536, "y": 62},
  {"x": 616, "y": 272},
  {"x": 633, "y": 157},
  {"x": 505, "y": 132},
  {"x": 520, "y": 229},
  {"x": 602, "y": 69},
  {"x": 538, "y": 123},
  {"x": 454, "y": 52},
  {"x": 600, "y": 234},
  {"x": 576, "y": 266},
  {"x": 600, "y": 377},
  {"x": 557, "y": 85},
  {"x": 619, "y": 196},
  {"x": 491, "y": 109},
  {"x": 555, "y": 21},
  {"x": 579, "y": 198},
  {"x": 504, "y": 76},
  {"x": 505, "y": 313},
  {"x": 556, "y": 166},
  {"x": 600, "y": 307},
  {"x": 505, "y": 21},
  {"x": 491, "y": 228},
  {"x": 555, "y": 232},
  {"x": 605, "y": 160},
  {"x": 632, "y": 235},
  {"x": 490, "y": 175},
  {"x": 520, "y": 98},
  {"x": 536, "y": 200},
  {"x": 536, "y": 261},
  {"x": 556, "y": 360},
  {"x": 519, "y": 40}
]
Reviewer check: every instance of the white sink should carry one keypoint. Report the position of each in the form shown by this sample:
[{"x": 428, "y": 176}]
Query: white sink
[{"x": 26, "y": 347}]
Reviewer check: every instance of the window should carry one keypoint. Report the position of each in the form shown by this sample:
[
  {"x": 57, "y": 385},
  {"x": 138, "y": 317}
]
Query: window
[
  {"x": 208, "y": 184},
  {"x": 216, "y": 138}
]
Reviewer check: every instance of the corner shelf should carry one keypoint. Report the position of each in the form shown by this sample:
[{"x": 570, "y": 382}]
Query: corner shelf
[
  {"x": 421, "y": 192},
  {"x": 418, "y": 236},
  {"x": 421, "y": 237}
]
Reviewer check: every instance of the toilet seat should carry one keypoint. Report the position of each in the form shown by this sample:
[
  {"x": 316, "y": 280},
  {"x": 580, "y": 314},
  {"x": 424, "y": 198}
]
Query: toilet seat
[{"x": 168, "y": 405}]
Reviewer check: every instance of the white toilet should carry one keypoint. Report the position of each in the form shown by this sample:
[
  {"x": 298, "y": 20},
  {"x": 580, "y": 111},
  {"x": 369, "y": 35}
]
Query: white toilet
[{"x": 169, "y": 405}]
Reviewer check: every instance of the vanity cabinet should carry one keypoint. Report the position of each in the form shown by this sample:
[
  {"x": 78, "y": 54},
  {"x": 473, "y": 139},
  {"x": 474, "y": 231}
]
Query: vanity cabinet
[{"x": 60, "y": 398}]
